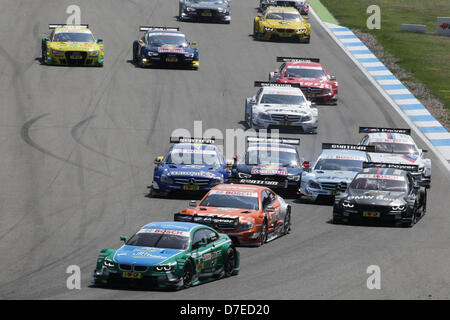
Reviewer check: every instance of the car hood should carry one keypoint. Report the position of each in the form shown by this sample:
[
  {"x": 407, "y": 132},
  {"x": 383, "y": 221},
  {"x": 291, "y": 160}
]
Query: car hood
[
  {"x": 285, "y": 109},
  {"x": 395, "y": 158},
  {"x": 284, "y": 24},
  {"x": 193, "y": 171},
  {"x": 333, "y": 175},
  {"x": 166, "y": 48},
  {"x": 74, "y": 46},
  {"x": 243, "y": 214},
  {"x": 146, "y": 256},
  {"x": 271, "y": 170},
  {"x": 317, "y": 83},
  {"x": 380, "y": 198}
]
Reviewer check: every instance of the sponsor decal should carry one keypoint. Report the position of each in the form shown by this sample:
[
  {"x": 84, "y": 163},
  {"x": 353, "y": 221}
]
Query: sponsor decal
[
  {"x": 165, "y": 231},
  {"x": 236, "y": 193},
  {"x": 269, "y": 170},
  {"x": 273, "y": 149},
  {"x": 381, "y": 177}
]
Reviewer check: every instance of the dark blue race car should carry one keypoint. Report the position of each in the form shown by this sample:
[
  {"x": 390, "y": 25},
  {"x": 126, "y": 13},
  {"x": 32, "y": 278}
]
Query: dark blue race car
[
  {"x": 205, "y": 10},
  {"x": 164, "y": 46},
  {"x": 190, "y": 165}
]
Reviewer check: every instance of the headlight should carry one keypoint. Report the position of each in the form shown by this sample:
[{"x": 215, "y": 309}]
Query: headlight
[
  {"x": 268, "y": 29},
  {"x": 245, "y": 226},
  {"x": 221, "y": 10},
  {"x": 313, "y": 184},
  {"x": 94, "y": 52},
  {"x": 57, "y": 51},
  {"x": 421, "y": 169},
  {"x": 398, "y": 208},
  {"x": 264, "y": 116},
  {"x": 108, "y": 263},
  {"x": 152, "y": 54},
  {"x": 325, "y": 91},
  {"x": 188, "y": 9},
  {"x": 166, "y": 179},
  {"x": 307, "y": 118},
  {"x": 348, "y": 204},
  {"x": 189, "y": 55},
  {"x": 244, "y": 175},
  {"x": 301, "y": 30},
  {"x": 295, "y": 178},
  {"x": 164, "y": 268}
]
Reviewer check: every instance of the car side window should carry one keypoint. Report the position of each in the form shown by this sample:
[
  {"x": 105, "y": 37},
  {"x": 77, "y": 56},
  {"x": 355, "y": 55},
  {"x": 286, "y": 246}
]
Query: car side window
[
  {"x": 211, "y": 235},
  {"x": 200, "y": 236},
  {"x": 258, "y": 94},
  {"x": 265, "y": 199},
  {"x": 272, "y": 197},
  {"x": 364, "y": 140}
]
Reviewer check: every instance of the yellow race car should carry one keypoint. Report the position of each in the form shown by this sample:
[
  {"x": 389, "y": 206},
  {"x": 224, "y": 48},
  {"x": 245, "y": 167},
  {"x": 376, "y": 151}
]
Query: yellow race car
[
  {"x": 281, "y": 23},
  {"x": 72, "y": 45}
]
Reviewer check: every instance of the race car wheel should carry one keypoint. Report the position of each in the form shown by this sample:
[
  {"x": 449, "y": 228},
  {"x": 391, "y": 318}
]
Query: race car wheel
[
  {"x": 187, "y": 275},
  {"x": 230, "y": 262},
  {"x": 263, "y": 236},
  {"x": 423, "y": 207},
  {"x": 135, "y": 51},
  {"x": 287, "y": 222}
]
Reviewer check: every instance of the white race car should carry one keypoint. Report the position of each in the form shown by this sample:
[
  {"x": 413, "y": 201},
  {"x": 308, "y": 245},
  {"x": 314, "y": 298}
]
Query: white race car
[
  {"x": 398, "y": 147},
  {"x": 278, "y": 105}
]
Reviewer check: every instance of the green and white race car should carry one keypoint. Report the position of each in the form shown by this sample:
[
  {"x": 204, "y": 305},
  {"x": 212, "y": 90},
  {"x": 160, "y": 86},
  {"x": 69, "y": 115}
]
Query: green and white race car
[{"x": 172, "y": 255}]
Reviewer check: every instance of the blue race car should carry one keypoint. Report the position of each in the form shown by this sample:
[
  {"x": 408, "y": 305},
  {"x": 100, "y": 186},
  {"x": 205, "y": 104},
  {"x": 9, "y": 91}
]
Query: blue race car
[
  {"x": 205, "y": 10},
  {"x": 271, "y": 162},
  {"x": 164, "y": 46},
  {"x": 333, "y": 170},
  {"x": 190, "y": 165}
]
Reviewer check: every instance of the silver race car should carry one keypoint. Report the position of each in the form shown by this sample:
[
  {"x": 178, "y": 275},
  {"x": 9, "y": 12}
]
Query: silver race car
[{"x": 278, "y": 105}]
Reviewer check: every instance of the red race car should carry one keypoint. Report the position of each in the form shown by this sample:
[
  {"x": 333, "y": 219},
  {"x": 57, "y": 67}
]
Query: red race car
[
  {"x": 248, "y": 214},
  {"x": 314, "y": 81}
]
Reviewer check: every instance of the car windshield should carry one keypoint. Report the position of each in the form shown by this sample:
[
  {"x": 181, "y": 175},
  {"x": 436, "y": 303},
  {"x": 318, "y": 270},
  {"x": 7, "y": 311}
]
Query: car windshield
[
  {"x": 379, "y": 184},
  {"x": 339, "y": 164},
  {"x": 281, "y": 15},
  {"x": 274, "y": 156},
  {"x": 73, "y": 37},
  {"x": 159, "y": 240},
  {"x": 305, "y": 73},
  {"x": 231, "y": 201},
  {"x": 281, "y": 99},
  {"x": 401, "y": 148},
  {"x": 194, "y": 157},
  {"x": 167, "y": 39},
  {"x": 208, "y": 1}
]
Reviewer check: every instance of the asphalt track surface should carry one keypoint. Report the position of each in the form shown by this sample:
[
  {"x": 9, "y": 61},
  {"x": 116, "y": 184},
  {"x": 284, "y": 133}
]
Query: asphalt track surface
[{"x": 77, "y": 148}]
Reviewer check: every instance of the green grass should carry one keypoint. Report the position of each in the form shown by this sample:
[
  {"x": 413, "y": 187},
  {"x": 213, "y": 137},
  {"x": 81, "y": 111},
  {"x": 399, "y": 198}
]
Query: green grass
[{"x": 426, "y": 56}]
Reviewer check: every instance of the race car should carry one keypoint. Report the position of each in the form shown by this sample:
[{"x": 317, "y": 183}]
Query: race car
[
  {"x": 164, "y": 46},
  {"x": 394, "y": 145},
  {"x": 301, "y": 5},
  {"x": 191, "y": 165},
  {"x": 205, "y": 10},
  {"x": 382, "y": 192},
  {"x": 173, "y": 255},
  {"x": 314, "y": 81},
  {"x": 250, "y": 215},
  {"x": 335, "y": 167},
  {"x": 281, "y": 23},
  {"x": 272, "y": 162},
  {"x": 72, "y": 45},
  {"x": 280, "y": 106}
]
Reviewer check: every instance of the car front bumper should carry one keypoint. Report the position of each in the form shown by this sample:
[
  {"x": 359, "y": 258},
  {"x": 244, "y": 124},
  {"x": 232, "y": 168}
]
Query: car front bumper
[
  {"x": 65, "y": 58},
  {"x": 307, "y": 126}
]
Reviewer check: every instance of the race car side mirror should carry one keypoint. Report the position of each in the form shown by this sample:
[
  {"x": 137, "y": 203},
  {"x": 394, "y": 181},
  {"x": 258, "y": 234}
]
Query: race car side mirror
[
  {"x": 270, "y": 209},
  {"x": 99, "y": 40},
  {"x": 332, "y": 78},
  {"x": 424, "y": 150},
  {"x": 124, "y": 239},
  {"x": 192, "y": 203},
  {"x": 305, "y": 164},
  {"x": 158, "y": 160},
  {"x": 230, "y": 164},
  {"x": 193, "y": 43},
  {"x": 253, "y": 100}
]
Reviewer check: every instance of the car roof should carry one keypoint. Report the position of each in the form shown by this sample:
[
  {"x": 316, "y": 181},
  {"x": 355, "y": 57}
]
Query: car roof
[
  {"x": 271, "y": 145},
  {"x": 239, "y": 187},
  {"x": 282, "y": 90},
  {"x": 384, "y": 171},
  {"x": 283, "y": 9},
  {"x": 172, "y": 225},
  {"x": 391, "y": 137},
  {"x": 346, "y": 153},
  {"x": 72, "y": 29}
]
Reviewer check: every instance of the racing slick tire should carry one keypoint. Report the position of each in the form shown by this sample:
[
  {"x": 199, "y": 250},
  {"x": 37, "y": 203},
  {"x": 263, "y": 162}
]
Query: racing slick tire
[
  {"x": 188, "y": 274},
  {"x": 230, "y": 262},
  {"x": 423, "y": 205},
  {"x": 287, "y": 222},
  {"x": 44, "y": 54},
  {"x": 135, "y": 51},
  {"x": 336, "y": 220},
  {"x": 263, "y": 236},
  {"x": 410, "y": 221}
]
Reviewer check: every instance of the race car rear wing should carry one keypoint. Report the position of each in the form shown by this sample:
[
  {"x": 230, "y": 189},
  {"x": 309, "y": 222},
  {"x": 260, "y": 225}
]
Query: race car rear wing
[
  {"x": 264, "y": 183},
  {"x": 405, "y": 167},
  {"x": 63, "y": 25},
  {"x": 216, "y": 222},
  {"x": 384, "y": 130},
  {"x": 294, "y": 59},
  {"x": 280, "y": 140},
  {"x": 343, "y": 146},
  {"x": 192, "y": 140},
  {"x": 151, "y": 28},
  {"x": 261, "y": 84}
]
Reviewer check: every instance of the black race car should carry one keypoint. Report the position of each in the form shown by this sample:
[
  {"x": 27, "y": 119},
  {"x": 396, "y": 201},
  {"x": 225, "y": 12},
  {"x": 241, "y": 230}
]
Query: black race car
[
  {"x": 274, "y": 163},
  {"x": 205, "y": 10},
  {"x": 164, "y": 46},
  {"x": 382, "y": 192}
]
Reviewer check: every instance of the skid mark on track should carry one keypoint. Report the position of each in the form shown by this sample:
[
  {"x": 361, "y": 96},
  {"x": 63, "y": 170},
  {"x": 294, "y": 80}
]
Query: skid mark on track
[{"x": 26, "y": 137}]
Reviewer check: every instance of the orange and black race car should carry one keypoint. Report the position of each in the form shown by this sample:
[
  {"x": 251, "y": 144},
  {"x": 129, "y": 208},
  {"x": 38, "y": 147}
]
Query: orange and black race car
[{"x": 248, "y": 214}]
